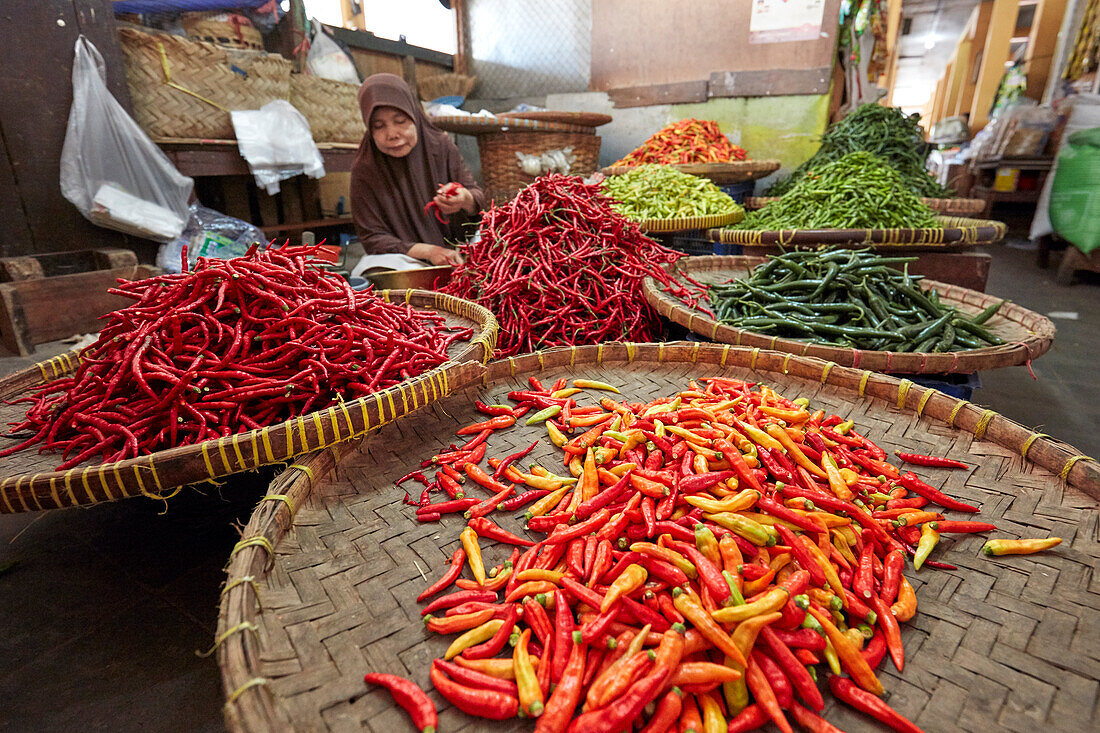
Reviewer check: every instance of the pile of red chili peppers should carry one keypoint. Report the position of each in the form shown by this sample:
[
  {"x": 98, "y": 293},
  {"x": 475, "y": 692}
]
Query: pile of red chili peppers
[
  {"x": 686, "y": 141},
  {"x": 705, "y": 557},
  {"x": 558, "y": 267},
  {"x": 235, "y": 345}
]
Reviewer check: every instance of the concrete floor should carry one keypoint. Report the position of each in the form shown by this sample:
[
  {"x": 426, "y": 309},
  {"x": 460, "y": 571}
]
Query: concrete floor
[{"x": 107, "y": 606}]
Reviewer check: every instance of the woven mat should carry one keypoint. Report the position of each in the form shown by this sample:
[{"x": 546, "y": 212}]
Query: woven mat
[
  {"x": 1000, "y": 644},
  {"x": 691, "y": 223},
  {"x": 1028, "y": 335},
  {"x": 28, "y": 481}
]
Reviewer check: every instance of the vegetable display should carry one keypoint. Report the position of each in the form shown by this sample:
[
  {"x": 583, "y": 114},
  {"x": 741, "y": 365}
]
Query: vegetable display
[
  {"x": 686, "y": 141},
  {"x": 661, "y": 192},
  {"x": 234, "y": 345},
  {"x": 558, "y": 266},
  {"x": 706, "y": 556},
  {"x": 857, "y": 191},
  {"x": 886, "y": 132},
  {"x": 851, "y": 298}
]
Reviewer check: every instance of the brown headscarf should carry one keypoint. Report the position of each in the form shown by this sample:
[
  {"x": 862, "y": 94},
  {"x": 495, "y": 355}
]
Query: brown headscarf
[{"x": 388, "y": 194}]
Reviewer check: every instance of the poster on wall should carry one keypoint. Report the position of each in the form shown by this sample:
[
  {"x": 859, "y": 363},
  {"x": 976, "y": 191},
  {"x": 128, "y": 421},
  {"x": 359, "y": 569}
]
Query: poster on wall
[{"x": 777, "y": 21}]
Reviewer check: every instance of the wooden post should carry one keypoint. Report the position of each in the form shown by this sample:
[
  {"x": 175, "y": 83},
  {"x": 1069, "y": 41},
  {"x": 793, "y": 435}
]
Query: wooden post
[
  {"x": 937, "y": 102},
  {"x": 462, "y": 48},
  {"x": 976, "y": 29},
  {"x": 893, "y": 26},
  {"x": 351, "y": 18},
  {"x": 959, "y": 74},
  {"x": 1002, "y": 23},
  {"x": 1041, "y": 43}
]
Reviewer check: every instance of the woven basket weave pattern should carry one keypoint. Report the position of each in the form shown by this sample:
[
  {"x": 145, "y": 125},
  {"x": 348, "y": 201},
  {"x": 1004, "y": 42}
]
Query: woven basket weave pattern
[
  {"x": 204, "y": 69},
  {"x": 500, "y": 167},
  {"x": 322, "y": 587},
  {"x": 951, "y": 232},
  {"x": 331, "y": 108}
]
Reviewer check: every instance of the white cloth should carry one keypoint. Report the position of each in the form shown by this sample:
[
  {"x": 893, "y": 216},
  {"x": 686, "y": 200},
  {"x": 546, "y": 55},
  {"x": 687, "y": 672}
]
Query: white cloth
[{"x": 379, "y": 263}]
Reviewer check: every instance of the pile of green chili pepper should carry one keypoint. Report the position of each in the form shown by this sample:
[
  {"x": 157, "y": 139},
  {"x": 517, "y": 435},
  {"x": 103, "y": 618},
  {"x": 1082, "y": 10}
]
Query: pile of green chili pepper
[
  {"x": 851, "y": 298},
  {"x": 859, "y": 191},
  {"x": 883, "y": 131},
  {"x": 661, "y": 192}
]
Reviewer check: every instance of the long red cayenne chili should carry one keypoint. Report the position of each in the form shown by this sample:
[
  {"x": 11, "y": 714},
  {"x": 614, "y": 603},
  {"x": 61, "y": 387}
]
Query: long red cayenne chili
[
  {"x": 458, "y": 559},
  {"x": 232, "y": 345},
  {"x": 553, "y": 257},
  {"x": 409, "y": 696},
  {"x": 918, "y": 459}
]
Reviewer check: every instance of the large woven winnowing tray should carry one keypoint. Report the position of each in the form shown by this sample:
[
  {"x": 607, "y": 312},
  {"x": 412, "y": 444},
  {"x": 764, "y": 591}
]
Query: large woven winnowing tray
[{"x": 1000, "y": 644}]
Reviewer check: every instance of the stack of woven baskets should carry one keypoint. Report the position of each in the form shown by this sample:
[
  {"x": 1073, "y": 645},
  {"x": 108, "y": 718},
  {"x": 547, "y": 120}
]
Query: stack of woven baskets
[{"x": 184, "y": 88}]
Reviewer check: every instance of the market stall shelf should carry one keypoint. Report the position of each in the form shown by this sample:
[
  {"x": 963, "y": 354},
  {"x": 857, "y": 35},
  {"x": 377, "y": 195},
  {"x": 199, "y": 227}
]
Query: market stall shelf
[
  {"x": 1028, "y": 335},
  {"x": 953, "y": 233},
  {"x": 322, "y": 587},
  {"x": 29, "y": 482},
  {"x": 947, "y": 207},
  {"x": 736, "y": 172}
]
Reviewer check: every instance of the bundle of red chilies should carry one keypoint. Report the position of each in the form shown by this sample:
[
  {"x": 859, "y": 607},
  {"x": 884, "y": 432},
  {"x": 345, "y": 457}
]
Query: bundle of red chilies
[
  {"x": 559, "y": 267},
  {"x": 235, "y": 345},
  {"x": 706, "y": 556}
]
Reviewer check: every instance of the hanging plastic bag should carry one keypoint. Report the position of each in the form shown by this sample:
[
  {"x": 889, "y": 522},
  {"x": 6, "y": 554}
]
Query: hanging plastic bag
[
  {"x": 1075, "y": 195},
  {"x": 327, "y": 60},
  {"x": 209, "y": 233},
  {"x": 276, "y": 141},
  {"x": 110, "y": 169}
]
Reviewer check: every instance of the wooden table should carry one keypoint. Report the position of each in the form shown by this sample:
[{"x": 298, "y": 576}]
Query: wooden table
[{"x": 224, "y": 182}]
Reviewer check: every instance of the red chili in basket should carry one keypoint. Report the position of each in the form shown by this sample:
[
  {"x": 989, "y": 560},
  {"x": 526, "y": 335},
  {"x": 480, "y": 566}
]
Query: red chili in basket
[
  {"x": 918, "y": 459},
  {"x": 409, "y": 696}
]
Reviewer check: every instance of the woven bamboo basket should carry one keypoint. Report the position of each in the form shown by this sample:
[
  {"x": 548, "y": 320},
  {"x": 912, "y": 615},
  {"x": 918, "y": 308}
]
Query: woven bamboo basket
[
  {"x": 1029, "y": 335},
  {"x": 223, "y": 29},
  {"x": 321, "y": 589},
  {"x": 500, "y": 167},
  {"x": 691, "y": 223},
  {"x": 946, "y": 207},
  {"x": 29, "y": 483},
  {"x": 445, "y": 85},
  {"x": 470, "y": 125},
  {"x": 954, "y": 233},
  {"x": 743, "y": 170},
  {"x": 330, "y": 107},
  {"x": 185, "y": 89}
]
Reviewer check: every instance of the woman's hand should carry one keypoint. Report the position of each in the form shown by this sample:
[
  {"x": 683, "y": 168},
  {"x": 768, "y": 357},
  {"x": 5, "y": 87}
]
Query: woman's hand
[
  {"x": 435, "y": 254},
  {"x": 461, "y": 199}
]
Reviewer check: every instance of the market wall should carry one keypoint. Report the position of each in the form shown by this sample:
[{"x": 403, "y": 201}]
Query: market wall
[
  {"x": 559, "y": 54},
  {"x": 786, "y": 128}
]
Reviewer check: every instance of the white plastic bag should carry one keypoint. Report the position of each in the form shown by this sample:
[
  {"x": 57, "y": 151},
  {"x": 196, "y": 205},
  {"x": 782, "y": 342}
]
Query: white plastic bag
[
  {"x": 209, "y": 233},
  {"x": 276, "y": 141},
  {"x": 110, "y": 169},
  {"x": 327, "y": 60}
]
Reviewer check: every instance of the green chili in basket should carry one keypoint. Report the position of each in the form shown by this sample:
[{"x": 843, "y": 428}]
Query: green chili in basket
[
  {"x": 886, "y": 132},
  {"x": 660, "y": 192},
  {"x": 859, "y": 191},
  {"x": 850, "y": 298}
]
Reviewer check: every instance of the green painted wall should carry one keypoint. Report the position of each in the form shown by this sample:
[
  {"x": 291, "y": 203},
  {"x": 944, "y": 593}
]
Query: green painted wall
[{"x": 784, "y": 128}]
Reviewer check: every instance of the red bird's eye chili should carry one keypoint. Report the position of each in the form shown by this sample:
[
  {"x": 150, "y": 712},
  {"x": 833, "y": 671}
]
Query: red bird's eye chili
[
  {"x": 921, "y": 460},
  {"x": 458, "y": 560},
  {"x": 406, "y": 694}
]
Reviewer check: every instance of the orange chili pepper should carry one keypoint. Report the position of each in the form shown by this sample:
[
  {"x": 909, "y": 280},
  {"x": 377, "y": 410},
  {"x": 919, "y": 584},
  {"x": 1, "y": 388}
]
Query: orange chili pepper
[
  {"x": 698, "y": 673},
  {"x": 473, "y": 554},
  {"x": 1019, "y": 547},
  {"x": 848, "y": 653},
  {"x": 530, "y": 694},
  {"x": 691, "y": 607},
  {"x": 905, "y": 607},
  {"x": 630, "y": 580},
  {"x": 458, "y": 622},
  {"x": 530, "y": 588}
]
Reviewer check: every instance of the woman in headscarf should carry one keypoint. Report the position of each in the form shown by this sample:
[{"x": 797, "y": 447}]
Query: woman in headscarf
[{"x": 403, "y": 164}]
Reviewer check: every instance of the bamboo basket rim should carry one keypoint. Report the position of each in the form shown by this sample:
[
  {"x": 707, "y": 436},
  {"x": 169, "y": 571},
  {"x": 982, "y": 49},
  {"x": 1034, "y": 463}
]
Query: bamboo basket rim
[
  {"x": 690, "y": 223},
  {"x": 1022, "y": 351},
  {"x": 953, "y": 232},
  {"x": 251, "y": 703},
  {"x": 162, "y": 474},
  {"x": 734, "y": 172},
  {"x": 587, "y": 119},
  {"x": 961, "y": 206},
  {"x": 471, "y": 125}
]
